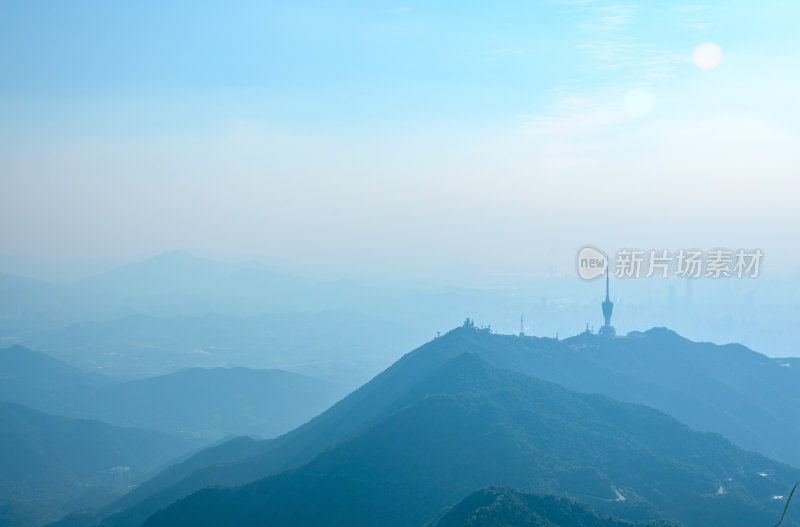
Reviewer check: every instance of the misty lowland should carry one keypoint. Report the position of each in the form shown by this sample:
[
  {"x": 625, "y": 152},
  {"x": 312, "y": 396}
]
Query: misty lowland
[{"x": 350, "y": 263}]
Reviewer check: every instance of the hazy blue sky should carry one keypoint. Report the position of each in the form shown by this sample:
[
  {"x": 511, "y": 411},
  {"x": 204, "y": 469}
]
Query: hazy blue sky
[{"x": 407, "y": 137}]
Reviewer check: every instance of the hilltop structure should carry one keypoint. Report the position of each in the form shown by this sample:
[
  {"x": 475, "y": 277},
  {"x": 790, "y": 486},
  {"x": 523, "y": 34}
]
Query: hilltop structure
[{"x": 470, "y": 323}]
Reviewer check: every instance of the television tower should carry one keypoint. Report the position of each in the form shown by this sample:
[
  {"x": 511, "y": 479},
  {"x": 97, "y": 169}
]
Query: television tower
[{"x": 608, "y": 306}]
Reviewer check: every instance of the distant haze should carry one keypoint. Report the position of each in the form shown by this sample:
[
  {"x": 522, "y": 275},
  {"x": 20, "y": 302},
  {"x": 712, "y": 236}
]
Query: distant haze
[{"x": 382, "y": 141}]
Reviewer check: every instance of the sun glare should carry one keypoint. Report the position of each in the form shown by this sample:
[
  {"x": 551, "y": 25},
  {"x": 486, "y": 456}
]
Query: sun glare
[{"x": 707, "y": 56}]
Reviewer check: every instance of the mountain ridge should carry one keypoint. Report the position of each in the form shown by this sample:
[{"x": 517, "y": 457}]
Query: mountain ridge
[
  {"x": 471, "y": 424},
  {"x": 530, "y": 355}
]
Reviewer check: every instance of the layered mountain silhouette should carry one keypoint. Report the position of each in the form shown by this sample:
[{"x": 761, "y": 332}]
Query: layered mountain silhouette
[
  {"x": 50, "y": 465},
  {"x": 203, "y": 403},
  {"x": 468, "y": 425},
  {"x": 751, "y": 399},
  {"x": 503, "y": 507},
  {"x": 342, "y": 347},
  {"x": 243, "y": 461},
  {"x": 36, "y": 379},
  {"x": 216, "y": 402}
]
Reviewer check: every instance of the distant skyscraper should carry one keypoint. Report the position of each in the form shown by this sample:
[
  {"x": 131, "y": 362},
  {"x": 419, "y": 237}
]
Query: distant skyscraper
[{"x": 608, "y": 306}]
